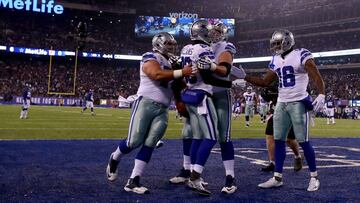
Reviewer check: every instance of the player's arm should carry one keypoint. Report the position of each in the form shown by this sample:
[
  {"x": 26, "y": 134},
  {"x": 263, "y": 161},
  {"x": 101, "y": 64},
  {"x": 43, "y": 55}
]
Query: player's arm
[
  {"x": 266, "y": 81},
  {"x": 221, "y": 69},
  {"x": 153, "y": 70},
  {"x": 315, "y": 76}
]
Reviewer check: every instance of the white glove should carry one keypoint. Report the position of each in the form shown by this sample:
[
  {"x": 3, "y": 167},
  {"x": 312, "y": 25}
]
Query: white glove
[
  {"x": 206, "y": 63},
  {"x": 319, "y": 103},
  {"x": 238, "y": 72},
  {"x": 239, "y": 83},
  {"x": 173, "y": 60}
]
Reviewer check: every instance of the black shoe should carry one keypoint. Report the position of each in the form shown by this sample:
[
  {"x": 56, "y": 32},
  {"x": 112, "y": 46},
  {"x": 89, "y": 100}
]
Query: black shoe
[
  {"x": 297, "y": 164},
  {"x": 133, "y": 185},
  {"x": 230, "y": 185},
  {"x": 269, "y": 168},
  {"x": 182, "y": 177}
]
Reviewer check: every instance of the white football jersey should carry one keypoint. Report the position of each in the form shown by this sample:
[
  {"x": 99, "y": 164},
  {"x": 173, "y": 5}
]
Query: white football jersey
[
  {"x": 218, "y": 49},
  {"x": 190, "y": 54},
  {"x": 262, "y": 101},
  {"x": 293, "y": 78},
  {"x": 155, "y": 90},
  {"x": 249, "y": 98}
]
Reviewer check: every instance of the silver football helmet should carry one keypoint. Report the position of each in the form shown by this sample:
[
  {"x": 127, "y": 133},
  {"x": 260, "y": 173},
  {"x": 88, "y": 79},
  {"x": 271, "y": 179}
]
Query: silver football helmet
[
  {"x": 219, "y": 33},
  {"x": 281, "y": 41},
  {"x": 200, "y": 30},
  {"x": 249, "y": 89},
  {"x": 164, "y": 43}
]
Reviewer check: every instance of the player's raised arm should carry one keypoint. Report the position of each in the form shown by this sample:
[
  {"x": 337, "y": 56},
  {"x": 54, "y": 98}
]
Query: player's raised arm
[
  {"x": 153, "y": 70},
  {"x": 266, "y": 81}
]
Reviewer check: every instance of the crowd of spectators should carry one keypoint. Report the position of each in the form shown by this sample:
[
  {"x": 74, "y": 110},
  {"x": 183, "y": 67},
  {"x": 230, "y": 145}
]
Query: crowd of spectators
[
  {"x": 114, "y": 33},
  {"x": 107, "y": 79}
]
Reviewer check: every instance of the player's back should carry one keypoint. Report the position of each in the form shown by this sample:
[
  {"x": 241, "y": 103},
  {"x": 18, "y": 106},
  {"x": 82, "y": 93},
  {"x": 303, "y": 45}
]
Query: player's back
[
  {"x": 293, "y": 78},
  {"x": 190, "y": 54},
  {"x": 158, "y": 91}
]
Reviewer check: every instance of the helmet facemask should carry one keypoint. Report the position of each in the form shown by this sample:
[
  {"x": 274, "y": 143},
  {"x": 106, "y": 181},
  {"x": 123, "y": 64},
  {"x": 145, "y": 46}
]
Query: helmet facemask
[
  {"x": 165, "y": 44},
  {"x": 218, "y": 33},
  {"x": 281, "y": 41}
]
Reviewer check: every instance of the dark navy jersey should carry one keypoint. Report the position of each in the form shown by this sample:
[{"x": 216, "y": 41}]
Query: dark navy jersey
[
  {"x": 26, "y": 94},
  {"x": 330, "y": 104},
  {"x": 237, "y": 104},
  {"x": 89, "y": 96}
]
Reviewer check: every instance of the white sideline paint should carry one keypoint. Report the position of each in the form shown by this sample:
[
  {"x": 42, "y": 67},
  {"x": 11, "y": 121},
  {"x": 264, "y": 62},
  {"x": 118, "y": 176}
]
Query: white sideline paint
[{"x": 338, "y": 161}]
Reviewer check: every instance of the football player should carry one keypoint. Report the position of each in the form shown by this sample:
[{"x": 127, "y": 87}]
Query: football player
[
  {"x": 263, "y": 109},
  {"x": 237, "y": 108},
  {"x": 270, "y": 94},
  {"x": 219, "y": 69},
  {"x": 330, "y": 111},
  {"x": 149, "y": 117},
  {"x": 89, "y": 98},
  {"x": 26, "y": 102},
  {"x": 250, "y": 99},
  {"x": 293, "y": 68}
]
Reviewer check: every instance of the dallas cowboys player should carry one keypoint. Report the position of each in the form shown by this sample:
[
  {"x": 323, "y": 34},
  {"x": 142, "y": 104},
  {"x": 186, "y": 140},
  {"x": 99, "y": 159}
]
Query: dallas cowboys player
[
  {"x": 26, "y": 102},
  {"x": 149, "y": 117},
  {"x": 221, "y": 69},
  {"x": 89, "y": 98},
  {"x": 250, "y": 100},
  {"x": 293, "y": 67},
  {"x": 330, "y": 111}
]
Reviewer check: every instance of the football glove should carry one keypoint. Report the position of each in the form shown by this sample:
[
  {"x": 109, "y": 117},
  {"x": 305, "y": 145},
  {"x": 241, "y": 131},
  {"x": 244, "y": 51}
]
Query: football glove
[
  {"x": 238, "y": 72},
  {"x": 206, "y": 63},
  {"x": 319, "y": 103},
  {"x": 239, "y": 83},
  {"x": 174, "y": 61}
]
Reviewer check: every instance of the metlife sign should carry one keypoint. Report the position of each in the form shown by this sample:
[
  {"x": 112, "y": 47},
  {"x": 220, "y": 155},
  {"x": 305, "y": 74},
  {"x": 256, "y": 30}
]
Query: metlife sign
[{"x": 41, "y": 6}]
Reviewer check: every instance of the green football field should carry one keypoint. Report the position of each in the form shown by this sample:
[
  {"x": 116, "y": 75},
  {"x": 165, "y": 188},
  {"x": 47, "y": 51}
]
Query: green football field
[{"x": 69, "y": 123}]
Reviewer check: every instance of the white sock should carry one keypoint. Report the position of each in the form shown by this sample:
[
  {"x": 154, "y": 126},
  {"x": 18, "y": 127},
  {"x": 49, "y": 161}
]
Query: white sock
[
  {"x": 313, "y": 174},
  {"x": 333, "y": 120},
  {"x": 21, "y": 114},
  {"x": 187, "y": 162},
  {"x": 229, "y": 167},
  {"x": 25, "y": 113},
  {"x": 138, "y": 168},
  {"x": 328, "y": 120},
  {"x": 198, "y": 168},
  {"x": 117, "y": 154}
]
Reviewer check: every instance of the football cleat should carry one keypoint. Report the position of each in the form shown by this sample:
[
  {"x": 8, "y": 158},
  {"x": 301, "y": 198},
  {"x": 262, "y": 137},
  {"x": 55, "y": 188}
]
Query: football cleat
[
  {"x": 271, "y": 183},
  {"x": 297, "y": 164},
  {"x": 314, "y": 184},
  {"x": 133, "y": 185},
  {"x": 197, "y": 186},
  {"x": 182, "y": 177},
  {"x": 268, "y": 168},
  {"x": 111, "y": 169},
  {"x": 159, "y": 144},
  {"x": 230, "y": 185}
]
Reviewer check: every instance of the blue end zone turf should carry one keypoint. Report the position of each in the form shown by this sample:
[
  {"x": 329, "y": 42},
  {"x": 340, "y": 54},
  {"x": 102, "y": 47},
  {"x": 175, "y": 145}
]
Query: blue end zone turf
[{"x": 73, "y": 171}]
